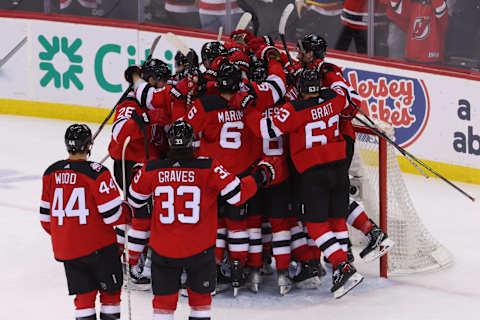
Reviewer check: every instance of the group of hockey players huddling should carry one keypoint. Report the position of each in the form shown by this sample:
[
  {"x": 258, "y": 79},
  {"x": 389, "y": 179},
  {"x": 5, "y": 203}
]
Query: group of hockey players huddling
[
  {"x": 281, "y": 139},
  {"x": 252, "y": 104}
]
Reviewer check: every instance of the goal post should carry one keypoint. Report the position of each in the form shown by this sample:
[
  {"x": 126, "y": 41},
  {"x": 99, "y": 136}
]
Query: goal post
[{"x": 386, "y": 200}]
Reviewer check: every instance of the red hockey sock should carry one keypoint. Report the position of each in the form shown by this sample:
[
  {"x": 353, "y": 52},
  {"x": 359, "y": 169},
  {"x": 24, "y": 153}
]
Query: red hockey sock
[
  {"x": 326, "y": 241},
  {"x": 254, "y": 225},
  {"x": 110, "y": 308},
  {"x": 340, "y": 230},
  {"x": 299, "y": 245},
  {"x": 237, "y": 240},
  {"x": 357, "y": 218},
  {"x": 281, "y": 239},
  {"x": 221, "y": 243},
  {"x": 85, "y": 304},
  {"x": 165, "y": 304}
]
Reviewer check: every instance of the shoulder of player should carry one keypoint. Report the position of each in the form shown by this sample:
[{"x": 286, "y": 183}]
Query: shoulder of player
[
  {"x": 198, "y": 163},
  {"x": 330, "y": 67},
  {"x": 213, "y": 103},
  {"x": 57, "y": 166},
  {"x": 90, "y": 169},
  {"x": 325, "y": 95}
]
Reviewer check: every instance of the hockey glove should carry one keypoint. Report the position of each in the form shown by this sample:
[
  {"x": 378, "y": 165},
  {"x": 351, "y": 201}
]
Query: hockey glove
[
  {"x": 241, "y": 100},
  {"x": 142, "y": 120},
  {"x": 130, "y": 71},
  {"x": 182, "y": 89},
  {"x": 266, "y": 53},
  {"x": 264, "y": 174},
  {"x": 127, "y": 211}
]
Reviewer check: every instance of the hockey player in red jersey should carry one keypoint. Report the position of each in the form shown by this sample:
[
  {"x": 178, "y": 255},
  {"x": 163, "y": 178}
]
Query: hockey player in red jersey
[
  {"x": 275, "y": 204},
  {"x": 183, "y": 225},
  {"x": 225, "y": 136},
  {"x": 317, "y": 150},
  {"x": 80, "y": 204},
  {"x": 425, "y": 22},
  {"x": 312, "y": 53},
  {"x": 144, "y": 125}
]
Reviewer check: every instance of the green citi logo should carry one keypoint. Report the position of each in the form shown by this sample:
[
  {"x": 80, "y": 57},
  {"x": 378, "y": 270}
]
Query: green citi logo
[{"x": 61, "y": 63}]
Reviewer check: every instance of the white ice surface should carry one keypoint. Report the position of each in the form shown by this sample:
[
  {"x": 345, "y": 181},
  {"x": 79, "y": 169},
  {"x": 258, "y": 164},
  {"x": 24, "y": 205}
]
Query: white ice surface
[{"x": 34, "y": 285}]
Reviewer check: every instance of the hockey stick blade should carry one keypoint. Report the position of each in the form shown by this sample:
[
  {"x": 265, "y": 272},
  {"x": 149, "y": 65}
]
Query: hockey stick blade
[
  {"x": 220, "y": 33},
  {"x": 154, "y": 45},
  {"x": 13, "y": 51},
  {"x": 244, "y": 21},
  {"x": 284, "y": 17},
  {"x": 177, "y": 43}
]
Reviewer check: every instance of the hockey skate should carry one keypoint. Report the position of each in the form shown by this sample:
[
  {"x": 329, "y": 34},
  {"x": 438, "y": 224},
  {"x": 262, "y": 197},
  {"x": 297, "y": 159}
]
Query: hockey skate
[
  {"x": 344, "y": 279},
  {"x": 137, "y": 280},
  {"x": 224, "y": 281},
  {"x": 254, "y": 279},
  {"x": 238, "y": 276},
  {"x": 266, "y": 269},
  {"x": 285, "y": 284},
  {"x": 306, "y": 276},
  {"x": 378, "y": 244}
]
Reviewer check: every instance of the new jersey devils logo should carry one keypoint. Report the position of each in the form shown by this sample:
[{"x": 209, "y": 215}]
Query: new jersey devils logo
[{"x": 421, "y": 27}]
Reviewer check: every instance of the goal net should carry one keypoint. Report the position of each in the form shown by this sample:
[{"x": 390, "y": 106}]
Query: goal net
[{"x": 386, "y": 200}]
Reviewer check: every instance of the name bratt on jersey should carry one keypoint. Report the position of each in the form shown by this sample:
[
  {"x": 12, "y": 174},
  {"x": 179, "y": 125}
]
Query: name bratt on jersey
[
  {"x": 400, "y": 101},
  {"x": 176, "y": 176},
  {"x": 321, "y": 112},
  {"x": 230, "y": 115},
  {"x": 65, "y": 178}
]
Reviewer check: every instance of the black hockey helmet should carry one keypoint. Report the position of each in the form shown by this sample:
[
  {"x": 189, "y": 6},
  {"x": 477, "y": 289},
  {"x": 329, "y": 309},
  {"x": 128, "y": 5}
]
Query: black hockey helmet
[
  {"x": 181, "y": 59},
  {"x": 157, "y": 69},
  {"x": 258, "y": 71},
  {"x": 213, "y": 49},
  {"x": 309, "y": 81},
  {"x": 180, "y": 135},
  {"x": 78, "y": 138},
  {"x": 229, "y": 77},
  {"x": 317, "y": 44}
]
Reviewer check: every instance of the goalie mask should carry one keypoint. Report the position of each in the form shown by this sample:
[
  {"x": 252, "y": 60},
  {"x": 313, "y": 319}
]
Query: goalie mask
[
  {"x": 180, "y": 135},
  {"x": 317, "y": 44},
  {"x": 309, "y": 81},
  {"x": 78, "y": 138},
  {"x": 157, "y": 69}
]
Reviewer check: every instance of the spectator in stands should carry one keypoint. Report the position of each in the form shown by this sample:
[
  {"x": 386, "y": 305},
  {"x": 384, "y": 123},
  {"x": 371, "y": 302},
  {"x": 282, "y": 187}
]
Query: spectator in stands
[
  {"x": 425, "y": 22},
  {"x": 355, "y": 26}
]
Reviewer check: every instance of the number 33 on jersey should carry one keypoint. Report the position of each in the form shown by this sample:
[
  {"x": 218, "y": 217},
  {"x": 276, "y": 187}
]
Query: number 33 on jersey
[{"x": 184, "y": 217}]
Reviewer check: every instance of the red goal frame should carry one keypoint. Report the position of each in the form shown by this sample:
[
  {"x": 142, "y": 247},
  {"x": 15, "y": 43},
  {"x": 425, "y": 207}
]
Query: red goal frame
[{"x": 382, "y": 187}]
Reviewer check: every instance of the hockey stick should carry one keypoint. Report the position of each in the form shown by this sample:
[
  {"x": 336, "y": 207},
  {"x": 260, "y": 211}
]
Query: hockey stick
[
  {"x": 104, "y": 158},
  {"x": 127, "y": 91},
  {"x": 220, "y": 32},
  {"x": 127, "y": 255},
  {"x": 248, "y": 8},
  {"x": 244, "y": 21},
  {"x": 405, "y": 153},
  {"x": 13, "y": 51},
  {"x": 180, "y": 45},
  {"x": 281, "y": 28}
]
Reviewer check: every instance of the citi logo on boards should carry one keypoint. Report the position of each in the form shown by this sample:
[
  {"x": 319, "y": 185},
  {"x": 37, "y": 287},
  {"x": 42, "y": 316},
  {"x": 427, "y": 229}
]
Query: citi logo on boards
[{"x": 400, "y": 101}]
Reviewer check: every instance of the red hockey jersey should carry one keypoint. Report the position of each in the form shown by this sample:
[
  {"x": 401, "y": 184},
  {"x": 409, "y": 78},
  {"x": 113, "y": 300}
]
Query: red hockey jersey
[
  {"x": 184, "y": 217},
  {"x": 313, "y": 127},
  {"x": 425, "y": 23},
  {"x": 80, "y": 204}
]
